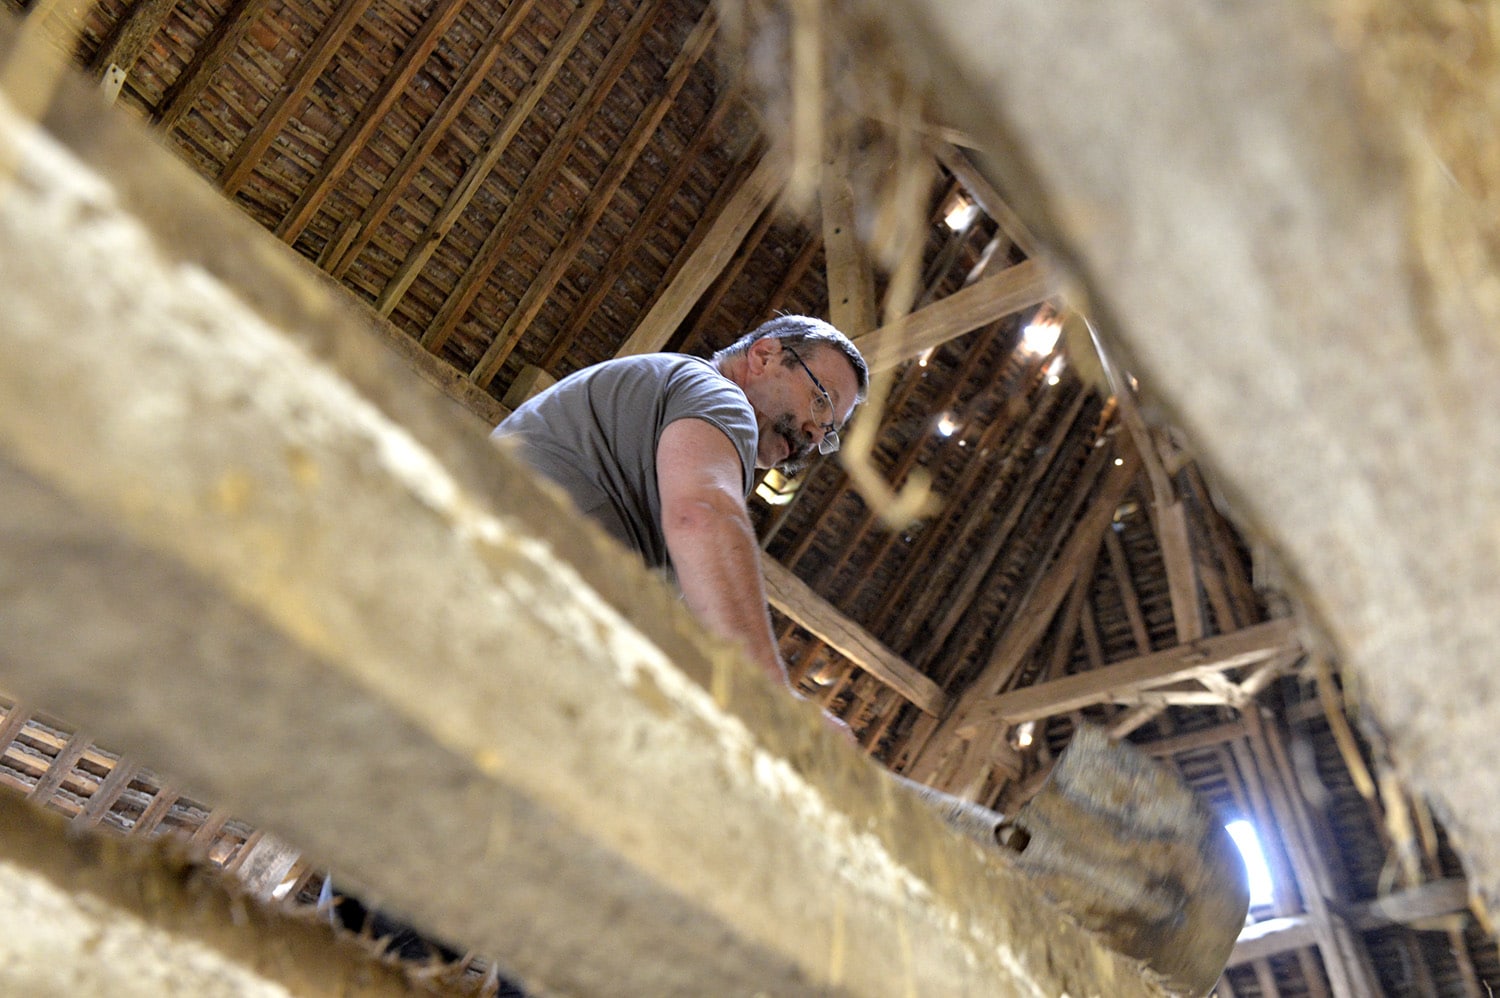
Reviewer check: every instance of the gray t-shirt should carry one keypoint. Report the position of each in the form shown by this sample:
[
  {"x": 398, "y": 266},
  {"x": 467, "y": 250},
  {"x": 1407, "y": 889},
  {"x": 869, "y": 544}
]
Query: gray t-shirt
[{"x": 595, "y": 433}]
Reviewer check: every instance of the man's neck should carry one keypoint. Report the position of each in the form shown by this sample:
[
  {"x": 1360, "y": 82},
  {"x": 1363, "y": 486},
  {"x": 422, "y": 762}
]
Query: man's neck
[{"x": 733, "y": 368}]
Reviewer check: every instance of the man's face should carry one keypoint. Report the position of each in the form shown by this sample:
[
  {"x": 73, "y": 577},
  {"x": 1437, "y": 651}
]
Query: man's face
[{"x": 793, "y": 412}]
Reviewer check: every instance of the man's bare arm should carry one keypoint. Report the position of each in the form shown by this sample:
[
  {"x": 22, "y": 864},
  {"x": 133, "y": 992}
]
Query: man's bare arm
[{"x": 711, "y": 540}]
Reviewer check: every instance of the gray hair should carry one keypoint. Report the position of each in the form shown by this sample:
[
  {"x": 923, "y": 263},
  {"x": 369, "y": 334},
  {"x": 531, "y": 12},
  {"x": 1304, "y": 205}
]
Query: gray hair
[{"x": 796, "y": 330}]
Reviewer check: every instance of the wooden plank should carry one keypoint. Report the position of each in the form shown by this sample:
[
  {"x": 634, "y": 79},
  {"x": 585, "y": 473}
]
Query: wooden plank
[
  {"x": 104, "y": 796},
  {"x": 722, "y": 235},
  {"x": 987, "y": 300},
  {"x": 433, "y": 130},
  {"x": 217, "y": 49},
  {"x": 484, "y": 162},
  {"x": 599, "y": 198},
  {"x": 793, "y": 597},
  {"x": 370, "y": 117},
  {"x": 291, "y": 95},
  {"x": 1210, "y": 655}
]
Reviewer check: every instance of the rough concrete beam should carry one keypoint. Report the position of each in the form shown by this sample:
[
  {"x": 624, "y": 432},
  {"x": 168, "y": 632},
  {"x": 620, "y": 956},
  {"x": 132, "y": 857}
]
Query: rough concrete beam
[
  {"x": 1232, "y": 199},
  {"x": 242, "y": 543}
]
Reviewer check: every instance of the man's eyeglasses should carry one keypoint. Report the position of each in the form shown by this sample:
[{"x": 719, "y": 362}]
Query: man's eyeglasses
[{"x": 822, "y": 408}]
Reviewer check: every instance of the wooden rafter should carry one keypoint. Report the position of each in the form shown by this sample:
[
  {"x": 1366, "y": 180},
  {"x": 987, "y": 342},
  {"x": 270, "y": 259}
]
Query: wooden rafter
[
  {"x": 992, "y": 298},
  {"x": 1145, "y": 672},
  {"x": 216, "y": 50},
  {"x": 1120, "y": 568},
  {"x": 984, "y": 194},
  {"x": 291, "y": 95},
  {"x": 1049, "y": 530},
  {"x": 1047, "y": 596},
  {"x": 603, "y": 192},
  {"x": 722, "y": 236},
  {"x": 854, "y": 536},
  {"x": 494, "y": 147},
  {"x": 370, "y": 116},
  {"x": 517, "y": 215},
  {"x": 978, "y": 538},
  {"x": 797, "y": 601},
  {"x": 708, "y": 305},
  {"x": 1344, "y": 953},
  {"x": 433, "y": 130},
  {"x": 650, "y": 220},
  {"x": 792, "y": 277}
]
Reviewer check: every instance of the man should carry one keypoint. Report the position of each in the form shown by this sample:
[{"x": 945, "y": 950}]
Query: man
[{"x": 662, "y": 449}]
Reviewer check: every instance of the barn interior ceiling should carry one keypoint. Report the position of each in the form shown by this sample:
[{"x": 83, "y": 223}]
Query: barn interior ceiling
[{"x": 512, "y": 191}]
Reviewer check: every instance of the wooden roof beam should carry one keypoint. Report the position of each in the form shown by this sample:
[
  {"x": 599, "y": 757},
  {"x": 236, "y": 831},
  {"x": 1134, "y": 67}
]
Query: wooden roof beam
[
  {"x": 433, "y": 130},
  {"x": 1137, "y": 675},
  {"x": 796, "y": 600},
  {"x": 1026, "y": 629},
  {"x": 599, "y": 198},
  {"x": 369, "y": 118},
  {"x": 1437, "y": 899},
  {"x": 987, "y": 300},
  {"x": 978, "y": 527},
  {"x": 216, "y": 50},
  {"x": 978, "y": 187},
  {"x": 290, "y": 96},
  {"x": 494, "y": 147},
  {"x": 721, "y": 237}
]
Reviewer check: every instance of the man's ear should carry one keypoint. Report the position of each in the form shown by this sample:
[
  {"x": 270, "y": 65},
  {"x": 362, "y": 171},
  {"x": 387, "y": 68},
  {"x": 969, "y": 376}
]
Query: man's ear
[{"x": 763, "y": 352}]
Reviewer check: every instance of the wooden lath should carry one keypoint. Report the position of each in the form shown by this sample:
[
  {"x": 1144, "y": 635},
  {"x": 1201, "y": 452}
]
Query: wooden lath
[
  {"x": 437, "y": 126},
  {"x": 582, "y": 225},
  {"x": 479, "y": 169},
  {"x": 712, "y": 250},
  {"x": 512, "y": 222},
  {"x": 216, "y": 50},
  {"x": 288, "y": 99},
  {"x": 370, "y": 117},
  {"x": 649, "y": 220}
]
